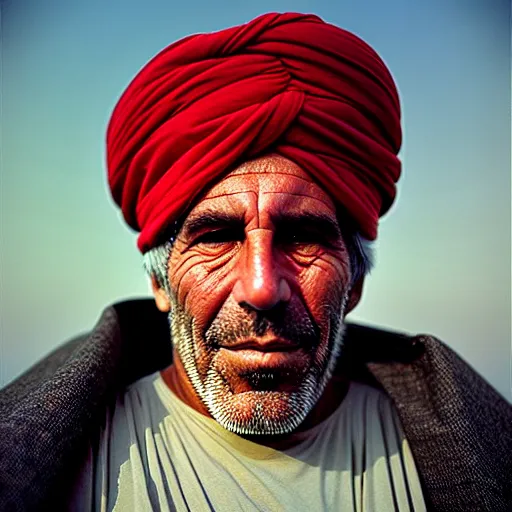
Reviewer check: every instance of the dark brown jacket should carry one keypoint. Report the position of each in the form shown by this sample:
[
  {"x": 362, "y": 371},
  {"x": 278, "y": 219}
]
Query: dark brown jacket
[{"x": 459, "y": 428}]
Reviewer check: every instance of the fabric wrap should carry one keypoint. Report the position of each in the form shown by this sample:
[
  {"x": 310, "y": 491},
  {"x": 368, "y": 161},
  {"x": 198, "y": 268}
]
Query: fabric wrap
[{"x": 288, "y": 84}]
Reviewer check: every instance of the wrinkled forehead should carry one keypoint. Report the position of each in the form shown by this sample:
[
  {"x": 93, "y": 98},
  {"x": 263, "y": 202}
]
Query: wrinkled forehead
[
  {"x": 271, "y": 164},
  {"x": 273, "y": 181}
]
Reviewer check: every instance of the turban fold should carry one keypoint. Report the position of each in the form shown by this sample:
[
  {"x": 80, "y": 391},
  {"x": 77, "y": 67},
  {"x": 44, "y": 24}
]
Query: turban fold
[{"x": 288, "y": 84}]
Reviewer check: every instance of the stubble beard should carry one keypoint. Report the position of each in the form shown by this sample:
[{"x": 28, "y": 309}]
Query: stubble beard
[{"x": 254, "y": 413}]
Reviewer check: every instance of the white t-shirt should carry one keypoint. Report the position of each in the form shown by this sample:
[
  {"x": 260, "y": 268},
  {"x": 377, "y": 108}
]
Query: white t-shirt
[{"x": 157, "y": 453}]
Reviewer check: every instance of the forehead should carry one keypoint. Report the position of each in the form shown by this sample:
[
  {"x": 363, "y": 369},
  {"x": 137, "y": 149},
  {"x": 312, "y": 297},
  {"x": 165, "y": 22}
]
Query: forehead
[{"x": 269, "y": 184}]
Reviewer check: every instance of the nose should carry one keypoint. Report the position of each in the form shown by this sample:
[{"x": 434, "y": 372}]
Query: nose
[{"x": 260, "y": 283}]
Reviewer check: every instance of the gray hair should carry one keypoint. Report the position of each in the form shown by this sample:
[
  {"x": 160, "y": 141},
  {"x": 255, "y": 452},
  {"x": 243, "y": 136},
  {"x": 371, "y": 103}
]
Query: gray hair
[
  {"x": 360, "y": 251},
  {"x": 156, "y": 261},
  {"x": 361, "y": 254}
]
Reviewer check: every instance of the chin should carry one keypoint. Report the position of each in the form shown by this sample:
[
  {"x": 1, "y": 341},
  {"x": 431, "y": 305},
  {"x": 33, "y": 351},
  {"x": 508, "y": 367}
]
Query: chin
[{"x": 254, "y": 413}]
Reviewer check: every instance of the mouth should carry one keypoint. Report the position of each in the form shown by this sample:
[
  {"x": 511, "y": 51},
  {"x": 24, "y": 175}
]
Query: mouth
[
  {"x": 264, "y": 346},
  {"x": 264, "y": 355}
]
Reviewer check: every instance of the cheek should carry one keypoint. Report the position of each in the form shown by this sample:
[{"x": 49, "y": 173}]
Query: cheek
[
  {"x": 323, "y": 286},
  {"x": 201, "y": 286}
]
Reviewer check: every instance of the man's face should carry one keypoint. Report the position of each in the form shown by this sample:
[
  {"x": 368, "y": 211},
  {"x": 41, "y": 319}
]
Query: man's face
[{"x": 259, "y": 281}]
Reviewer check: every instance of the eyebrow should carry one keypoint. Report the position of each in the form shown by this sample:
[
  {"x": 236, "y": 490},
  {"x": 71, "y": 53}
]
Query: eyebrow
[
  {"x": 308, "y": 220},
  {"x": 210, "y": 219}
]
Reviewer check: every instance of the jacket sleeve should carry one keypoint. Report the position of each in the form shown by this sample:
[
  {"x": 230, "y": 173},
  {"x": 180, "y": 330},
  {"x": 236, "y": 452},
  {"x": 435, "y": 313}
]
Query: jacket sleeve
[
  {"x": 458, "y": 426},
  {"x": 48, "y": 415}
]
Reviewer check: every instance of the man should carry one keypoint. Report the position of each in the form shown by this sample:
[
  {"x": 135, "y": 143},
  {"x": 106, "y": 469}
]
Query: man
[{"x": 255, "y": 162}]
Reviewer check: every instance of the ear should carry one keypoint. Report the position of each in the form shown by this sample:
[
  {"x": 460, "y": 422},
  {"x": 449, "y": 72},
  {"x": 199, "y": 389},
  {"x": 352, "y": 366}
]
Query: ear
[
  {"x": 161, "y": 298},
  {"x": 355, "y": 295}
]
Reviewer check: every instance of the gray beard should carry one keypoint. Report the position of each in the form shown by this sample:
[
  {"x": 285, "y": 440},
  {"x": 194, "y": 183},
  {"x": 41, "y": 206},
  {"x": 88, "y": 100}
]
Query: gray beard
[{"x": 255, "y": 412}]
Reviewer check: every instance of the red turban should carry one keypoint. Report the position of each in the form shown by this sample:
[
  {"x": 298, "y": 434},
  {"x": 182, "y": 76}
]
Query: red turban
[{"x": 290, "y": 84}]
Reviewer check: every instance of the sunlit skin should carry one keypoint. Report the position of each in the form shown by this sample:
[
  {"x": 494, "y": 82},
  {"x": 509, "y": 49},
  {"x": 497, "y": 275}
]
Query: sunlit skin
[{"x": 263, "y": 242}]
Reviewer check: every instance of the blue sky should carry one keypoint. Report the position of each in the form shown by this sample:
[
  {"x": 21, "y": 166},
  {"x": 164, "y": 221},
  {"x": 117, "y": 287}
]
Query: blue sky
[{"x": 443, "y": 253}]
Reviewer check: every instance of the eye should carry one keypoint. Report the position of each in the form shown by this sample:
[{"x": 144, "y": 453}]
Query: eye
[
  {"x": 302, "y": 237},
  {"x": 219, "y": 236}
]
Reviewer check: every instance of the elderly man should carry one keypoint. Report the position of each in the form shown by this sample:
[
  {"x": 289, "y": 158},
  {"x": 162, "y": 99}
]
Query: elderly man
[{"x": 255, "y": 162}]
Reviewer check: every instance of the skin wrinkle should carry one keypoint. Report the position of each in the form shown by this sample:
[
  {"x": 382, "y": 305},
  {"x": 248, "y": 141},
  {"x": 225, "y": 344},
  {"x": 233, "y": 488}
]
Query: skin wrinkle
[
  {"x": 220, "y": 278},
  {"x": 298, "y": 195},
  {"x": 190, "y": 264},
  {"x": 238, "y": 174},
  {"x": 344, "y": 248},
  {"x": 296, "y": 291},
  {"x": 207, "y": 308},
  {"x": 216, "y": 263},
  {"x": 250, "y": 230},
  {"x": 227, "y": 194},
  {"x": 193, "y": 257}
]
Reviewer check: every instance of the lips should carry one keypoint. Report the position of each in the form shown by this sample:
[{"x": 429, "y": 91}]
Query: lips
[
  {"x": 262, "y": 345},
  {"x": 256, "y": 355}
]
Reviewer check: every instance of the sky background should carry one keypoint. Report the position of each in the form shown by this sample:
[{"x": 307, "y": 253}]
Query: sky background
[{"x": 443, "y": 253}]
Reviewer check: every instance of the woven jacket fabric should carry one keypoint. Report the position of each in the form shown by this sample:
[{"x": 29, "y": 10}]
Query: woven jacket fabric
[{"x": 459, "y": 428}]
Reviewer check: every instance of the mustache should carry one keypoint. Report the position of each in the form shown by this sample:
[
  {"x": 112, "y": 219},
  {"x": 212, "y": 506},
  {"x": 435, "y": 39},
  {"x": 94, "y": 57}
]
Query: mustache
[{"x": 287, "y": 322}]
